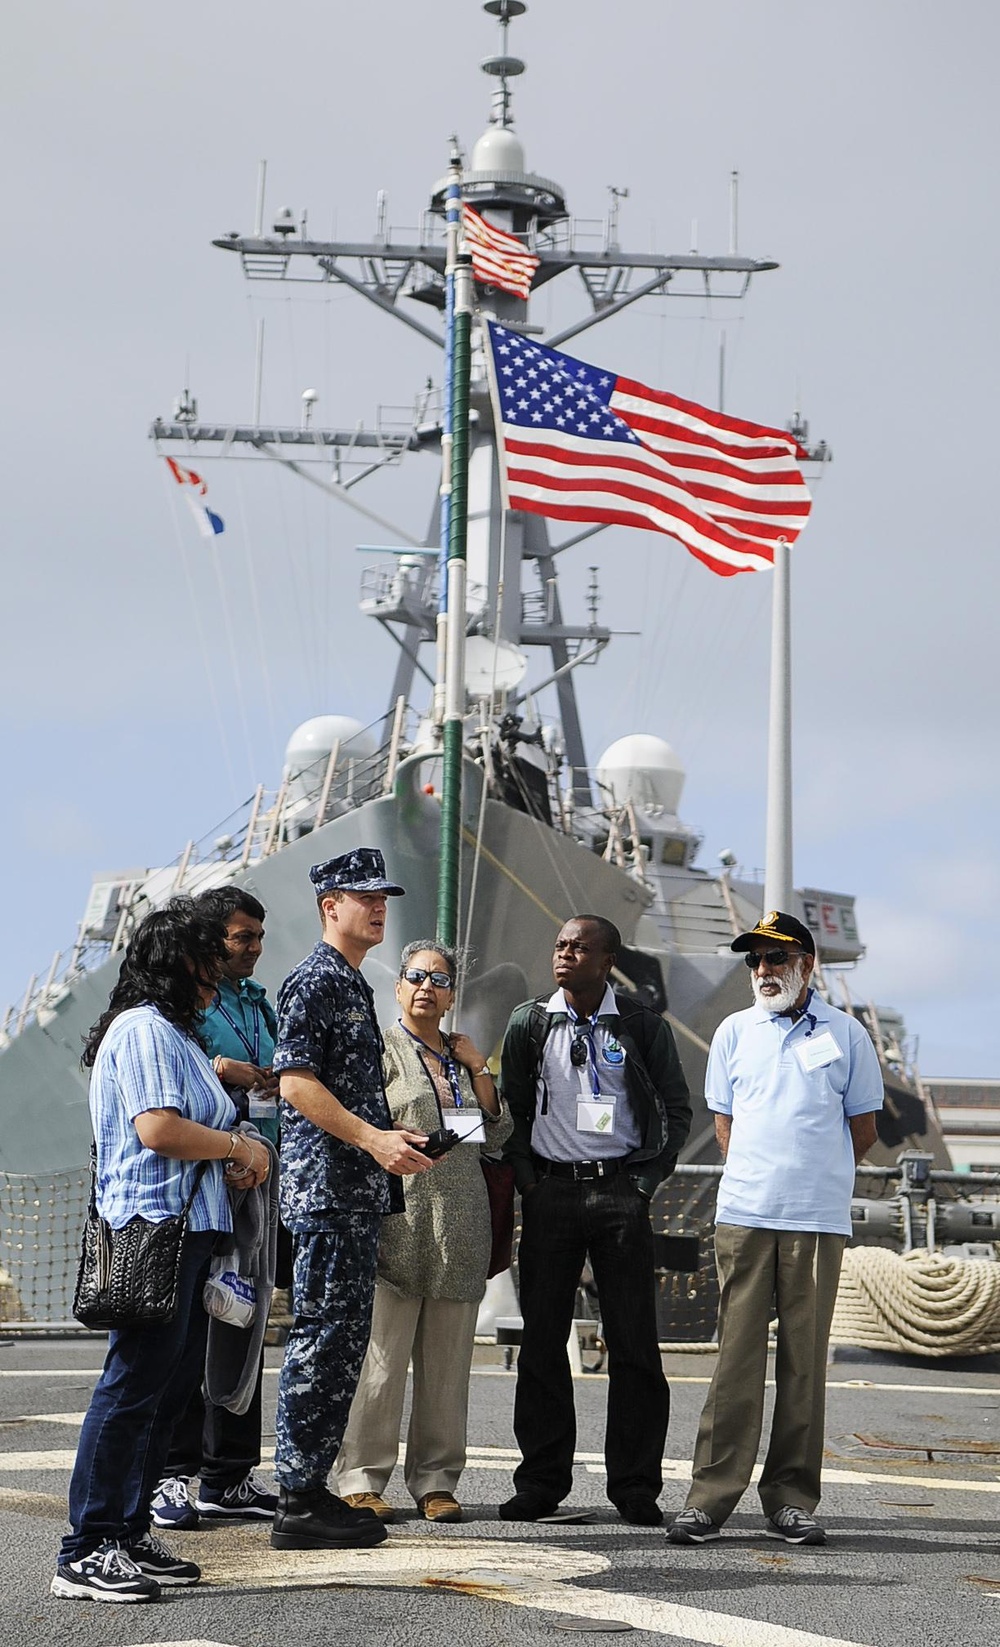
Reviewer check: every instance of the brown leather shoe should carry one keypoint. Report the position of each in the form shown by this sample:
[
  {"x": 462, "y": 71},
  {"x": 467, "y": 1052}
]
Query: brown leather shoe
[
  {"x": 373, "y": 1502},
  {"x": 439, "y": 1507}
]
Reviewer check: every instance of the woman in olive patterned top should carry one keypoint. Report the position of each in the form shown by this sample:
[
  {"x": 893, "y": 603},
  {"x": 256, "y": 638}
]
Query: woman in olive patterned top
[{"x": 432, "y": 1260}]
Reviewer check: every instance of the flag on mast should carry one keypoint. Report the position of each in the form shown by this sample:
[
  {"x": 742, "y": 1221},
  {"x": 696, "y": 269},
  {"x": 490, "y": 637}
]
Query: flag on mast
[
  {"x": 498, "y": 258},
  {"x": 580, "y": 443},
  {"x": 195, "y": 489}
]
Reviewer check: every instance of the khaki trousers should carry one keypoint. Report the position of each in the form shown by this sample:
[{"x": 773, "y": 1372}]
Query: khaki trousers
[
  {"x": 438, "y": 1335},
  {"x": 798, "y": 1270}
]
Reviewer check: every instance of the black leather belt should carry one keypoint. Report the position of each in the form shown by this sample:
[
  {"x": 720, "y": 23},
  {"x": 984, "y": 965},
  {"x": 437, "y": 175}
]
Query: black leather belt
[{"x": 579, "y": 1171}]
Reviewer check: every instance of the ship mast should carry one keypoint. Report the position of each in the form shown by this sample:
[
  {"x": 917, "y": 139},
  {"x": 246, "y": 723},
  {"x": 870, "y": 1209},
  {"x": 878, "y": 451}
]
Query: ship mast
[{"x": 397, "y": 276}]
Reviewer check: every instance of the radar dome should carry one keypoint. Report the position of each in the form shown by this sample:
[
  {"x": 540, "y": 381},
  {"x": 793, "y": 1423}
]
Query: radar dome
[
  {"x": 498, "y": 150},
  {"x": 312, "y": 742},
  {"x": 644, "y": 770}
]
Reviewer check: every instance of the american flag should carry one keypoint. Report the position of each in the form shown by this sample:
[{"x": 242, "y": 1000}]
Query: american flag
[
  {"x": 498, "y": 258},
  {"x": 580, "y": 443}
]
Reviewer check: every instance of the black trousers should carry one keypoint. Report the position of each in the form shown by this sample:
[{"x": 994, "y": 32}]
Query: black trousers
[
  {"x": 561, "y": 1223},
  {"x": 210, "y": 1441}
]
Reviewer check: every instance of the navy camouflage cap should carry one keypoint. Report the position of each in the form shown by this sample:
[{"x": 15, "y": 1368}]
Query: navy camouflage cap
[
  {"x": 362, "y": 870},
  {"x": 775, "y": 924}
]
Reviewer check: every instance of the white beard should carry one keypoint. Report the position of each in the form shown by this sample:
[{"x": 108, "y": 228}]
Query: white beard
[{"x": 789, "y": 981}]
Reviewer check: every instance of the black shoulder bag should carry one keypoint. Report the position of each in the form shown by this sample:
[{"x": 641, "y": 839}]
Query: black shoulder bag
[{"x": 128, "y": 1277}]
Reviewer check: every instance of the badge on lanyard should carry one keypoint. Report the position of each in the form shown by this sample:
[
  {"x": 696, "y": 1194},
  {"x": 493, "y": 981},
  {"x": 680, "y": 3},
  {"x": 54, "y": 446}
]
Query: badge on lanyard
[
  {"x": 595, "y": 1115},
  {"x": 816, "y": 1052},
  {"x": 467, "y": 1122}
]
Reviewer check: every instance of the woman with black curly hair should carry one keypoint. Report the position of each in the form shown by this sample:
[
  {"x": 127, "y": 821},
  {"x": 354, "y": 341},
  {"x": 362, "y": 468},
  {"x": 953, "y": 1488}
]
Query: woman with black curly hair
[{"x": 158, "y": 1111}]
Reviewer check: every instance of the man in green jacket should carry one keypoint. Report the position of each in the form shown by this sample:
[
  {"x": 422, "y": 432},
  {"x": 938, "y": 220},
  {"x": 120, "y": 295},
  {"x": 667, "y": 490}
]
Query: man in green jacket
[{"x": 601, "y": 1111}]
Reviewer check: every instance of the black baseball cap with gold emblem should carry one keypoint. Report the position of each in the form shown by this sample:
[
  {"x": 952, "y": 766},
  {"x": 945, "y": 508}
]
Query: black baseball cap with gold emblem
[{"x": 785, "y": 928}]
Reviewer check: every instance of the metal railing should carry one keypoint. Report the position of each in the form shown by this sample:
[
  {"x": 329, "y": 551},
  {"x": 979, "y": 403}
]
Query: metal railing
[{"x": 267, "y": 821}]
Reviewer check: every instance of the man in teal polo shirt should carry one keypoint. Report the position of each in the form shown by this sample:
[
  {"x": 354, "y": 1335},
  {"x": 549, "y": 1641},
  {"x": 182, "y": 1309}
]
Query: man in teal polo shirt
[
  {"x": 240, "y": 1027},
  {"x": 794, "y": 1085},
  {"x": 238, "y": 1030}
]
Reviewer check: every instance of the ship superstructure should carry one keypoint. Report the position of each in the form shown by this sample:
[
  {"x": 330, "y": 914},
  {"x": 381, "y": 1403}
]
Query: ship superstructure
[{"x": 546, "y": 829}]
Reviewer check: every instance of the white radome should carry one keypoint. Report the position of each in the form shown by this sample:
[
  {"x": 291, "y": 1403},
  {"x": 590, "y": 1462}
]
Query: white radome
[
  {"x": 498, "y": 150},
  {"x": 313, "y": 740},
  {"x": 644, "y": 770}
]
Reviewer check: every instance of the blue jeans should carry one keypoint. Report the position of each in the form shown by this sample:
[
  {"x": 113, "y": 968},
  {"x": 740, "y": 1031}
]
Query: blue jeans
[{"x": 148, "y": 1377}]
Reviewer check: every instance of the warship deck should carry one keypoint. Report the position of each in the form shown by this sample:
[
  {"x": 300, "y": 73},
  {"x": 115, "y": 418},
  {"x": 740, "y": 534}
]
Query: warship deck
[{"x": 912, "y": 1494}]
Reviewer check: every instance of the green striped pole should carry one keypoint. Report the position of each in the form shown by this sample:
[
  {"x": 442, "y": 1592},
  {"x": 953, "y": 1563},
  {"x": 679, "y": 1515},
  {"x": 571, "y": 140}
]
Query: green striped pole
[{"x": 454, "y": 702}]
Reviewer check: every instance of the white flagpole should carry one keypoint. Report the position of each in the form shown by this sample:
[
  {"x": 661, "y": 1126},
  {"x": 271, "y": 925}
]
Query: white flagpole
[{"x": 778, "y": 883}]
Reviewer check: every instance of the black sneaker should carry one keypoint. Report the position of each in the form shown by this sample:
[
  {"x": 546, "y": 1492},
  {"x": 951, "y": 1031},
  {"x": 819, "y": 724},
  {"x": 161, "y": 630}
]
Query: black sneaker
[
  {"x": 693, "y": 1527},
  {"x": 248, "y": 1500},
  {"x": 526, "y": 1506},
  {"x": 794, "y": 1526},
  {"x": 153, "y": 1558},
  {"x": 171, "y": 1504},
  {"x": 107, "y": 1574},
  {"x": 318, "y": 1520},
  {"x": 640, "y": 1509}
]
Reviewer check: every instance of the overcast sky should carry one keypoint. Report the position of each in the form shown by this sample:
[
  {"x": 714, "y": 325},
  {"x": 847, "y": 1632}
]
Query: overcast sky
[{"x": 866, "y": 139}]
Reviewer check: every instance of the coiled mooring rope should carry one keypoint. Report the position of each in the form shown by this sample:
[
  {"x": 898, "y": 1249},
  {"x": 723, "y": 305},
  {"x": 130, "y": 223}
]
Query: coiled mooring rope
[{"x": 920, "y": 1302}]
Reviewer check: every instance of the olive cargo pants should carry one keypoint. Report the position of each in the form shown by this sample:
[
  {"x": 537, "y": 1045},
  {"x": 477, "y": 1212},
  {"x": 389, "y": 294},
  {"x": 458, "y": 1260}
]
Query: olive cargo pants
[{"x": 798, "y": 1270}]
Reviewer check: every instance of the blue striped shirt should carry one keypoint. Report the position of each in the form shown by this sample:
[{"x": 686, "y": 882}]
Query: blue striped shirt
[{"x": 146, "y": 1063}]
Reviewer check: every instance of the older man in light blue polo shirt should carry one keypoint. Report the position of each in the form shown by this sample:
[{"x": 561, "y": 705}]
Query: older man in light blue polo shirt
[{"x": 794, "y": 1085}]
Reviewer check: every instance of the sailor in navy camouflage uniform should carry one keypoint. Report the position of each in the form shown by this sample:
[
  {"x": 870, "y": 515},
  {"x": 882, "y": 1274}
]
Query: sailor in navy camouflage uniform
[{"x": 340, "y": 1161}]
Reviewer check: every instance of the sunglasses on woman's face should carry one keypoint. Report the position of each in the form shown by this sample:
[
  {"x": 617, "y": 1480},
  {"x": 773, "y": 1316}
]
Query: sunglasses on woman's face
[{"x": 417, "y": 975}]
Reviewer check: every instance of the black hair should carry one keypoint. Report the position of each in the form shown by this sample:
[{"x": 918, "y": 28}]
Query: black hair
[
  {"x": 223, "y": 902},
  {"x": 610, "y": 936},
  {"x": 155, "y": 971}
]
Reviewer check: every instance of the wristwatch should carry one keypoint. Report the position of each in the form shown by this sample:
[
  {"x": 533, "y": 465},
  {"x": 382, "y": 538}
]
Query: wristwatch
[{"x": 484, "y": 1071}]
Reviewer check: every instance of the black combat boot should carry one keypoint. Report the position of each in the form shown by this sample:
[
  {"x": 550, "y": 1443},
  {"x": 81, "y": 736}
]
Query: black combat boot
[{"x": 318, "y": 1520}]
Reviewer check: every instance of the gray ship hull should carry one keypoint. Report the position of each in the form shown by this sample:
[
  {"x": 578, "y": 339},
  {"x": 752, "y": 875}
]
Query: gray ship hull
[{"x": 529, "y": 880}]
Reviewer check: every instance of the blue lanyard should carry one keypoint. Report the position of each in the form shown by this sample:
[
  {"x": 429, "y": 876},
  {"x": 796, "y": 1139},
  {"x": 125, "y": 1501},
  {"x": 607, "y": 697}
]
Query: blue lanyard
[
  {"x": 253, "y": 1050},
  {"x": 446, "y": 1061},
  {"x": 589, "y": 1030}
]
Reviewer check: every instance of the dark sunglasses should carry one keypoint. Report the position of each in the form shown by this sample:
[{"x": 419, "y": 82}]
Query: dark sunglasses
[
  {"x": 417, "y": 974},
  {"x": 773, "y": 957},
  {"x": 578, "y": 1051}
]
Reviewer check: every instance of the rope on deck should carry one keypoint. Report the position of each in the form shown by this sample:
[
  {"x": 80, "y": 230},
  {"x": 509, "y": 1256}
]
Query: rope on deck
[{"x": 920, "y": 1303}]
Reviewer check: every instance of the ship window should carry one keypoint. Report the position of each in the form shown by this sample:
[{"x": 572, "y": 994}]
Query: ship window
[{"x": 674, "y": 852}]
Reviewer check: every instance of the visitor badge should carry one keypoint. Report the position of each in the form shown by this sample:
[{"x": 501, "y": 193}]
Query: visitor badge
[
  {"x": 816, "y": 1051},
  {"x": 467, "y": 1122},
  {"x": 595, "y": 1115},
  {"x": 261, "y": 1107}
]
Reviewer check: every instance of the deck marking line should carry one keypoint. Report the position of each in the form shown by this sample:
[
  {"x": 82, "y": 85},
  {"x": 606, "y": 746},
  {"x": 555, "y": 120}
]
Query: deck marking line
[
  {"x": 668, "y": 1618},
  {"x": 48, "y": 1418},
  {"x": 675, "y": 1469},
  {"x": 60, "y": 1458},
  {"x": 533, "y": 1576},
  {"x": 491, "y": 1372}
]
